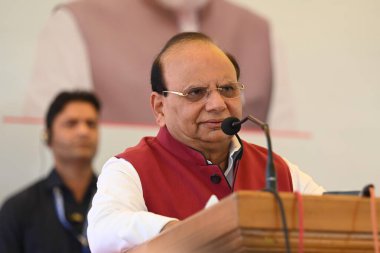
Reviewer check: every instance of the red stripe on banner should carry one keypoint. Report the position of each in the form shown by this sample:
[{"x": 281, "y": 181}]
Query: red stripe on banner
[{"x": 291, "y": 134}]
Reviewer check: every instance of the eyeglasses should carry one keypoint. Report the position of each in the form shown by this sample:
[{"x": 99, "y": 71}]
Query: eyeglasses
[{"x": 195, "y": 94}]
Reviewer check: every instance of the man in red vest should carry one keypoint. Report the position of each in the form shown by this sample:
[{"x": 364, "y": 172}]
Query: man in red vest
[{"x": 167, "y": 178}]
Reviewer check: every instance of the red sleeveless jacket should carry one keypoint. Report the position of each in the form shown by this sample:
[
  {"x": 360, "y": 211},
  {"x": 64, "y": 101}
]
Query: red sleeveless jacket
[{"x": 177, "y": 181}]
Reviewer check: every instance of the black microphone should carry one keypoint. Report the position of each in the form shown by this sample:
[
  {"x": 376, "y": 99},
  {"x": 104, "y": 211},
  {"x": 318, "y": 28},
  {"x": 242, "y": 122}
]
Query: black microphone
[{"x": 232, "y": 125}]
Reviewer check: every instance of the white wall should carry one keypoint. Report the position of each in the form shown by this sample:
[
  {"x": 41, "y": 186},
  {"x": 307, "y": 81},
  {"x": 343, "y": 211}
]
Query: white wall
[
  {"x": 327, "y": 59},
  {"x": 331, "y": 49}
]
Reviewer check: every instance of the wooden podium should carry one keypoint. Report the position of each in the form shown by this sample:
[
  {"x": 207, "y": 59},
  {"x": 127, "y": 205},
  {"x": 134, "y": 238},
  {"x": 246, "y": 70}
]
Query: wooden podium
[{"x": 250, "y": 222}]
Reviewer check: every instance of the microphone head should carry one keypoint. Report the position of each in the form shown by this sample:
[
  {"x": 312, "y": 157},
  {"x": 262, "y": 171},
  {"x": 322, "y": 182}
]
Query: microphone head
[{"x": 229, "y": 128}]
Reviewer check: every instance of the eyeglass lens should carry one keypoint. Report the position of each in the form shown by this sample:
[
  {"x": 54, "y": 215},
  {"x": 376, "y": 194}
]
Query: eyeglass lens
[{"x": 227, "y": 90}]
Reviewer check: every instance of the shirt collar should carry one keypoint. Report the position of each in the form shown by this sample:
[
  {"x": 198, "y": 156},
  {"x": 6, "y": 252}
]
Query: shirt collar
[
  {"x": 235, "y": 149},
  {"x": 54, "y": 180}
]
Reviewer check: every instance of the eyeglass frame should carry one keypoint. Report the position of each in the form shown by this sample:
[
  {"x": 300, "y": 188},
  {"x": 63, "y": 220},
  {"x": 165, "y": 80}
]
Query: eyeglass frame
[{"x": 208, "y": 91}]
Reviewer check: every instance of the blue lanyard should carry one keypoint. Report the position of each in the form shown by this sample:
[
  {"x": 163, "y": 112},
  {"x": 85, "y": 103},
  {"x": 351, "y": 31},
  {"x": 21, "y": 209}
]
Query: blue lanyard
[{"x": 60, "y": 210}]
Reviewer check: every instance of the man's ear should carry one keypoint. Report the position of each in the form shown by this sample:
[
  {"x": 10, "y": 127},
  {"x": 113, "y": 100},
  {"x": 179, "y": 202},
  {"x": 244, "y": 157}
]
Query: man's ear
[
  {"x": 46, "y": 137},
  {"x": 157, "y": 104}
]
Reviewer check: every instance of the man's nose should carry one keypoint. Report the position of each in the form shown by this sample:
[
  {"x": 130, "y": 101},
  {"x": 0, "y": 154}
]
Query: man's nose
[
  {"x": 83, "y": 128},
  {"x": 215, "y": 101}
]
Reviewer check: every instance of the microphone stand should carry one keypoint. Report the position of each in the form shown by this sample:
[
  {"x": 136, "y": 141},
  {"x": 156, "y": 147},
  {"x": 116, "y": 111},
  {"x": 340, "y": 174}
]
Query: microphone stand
[{"x": 271, "y": 180}]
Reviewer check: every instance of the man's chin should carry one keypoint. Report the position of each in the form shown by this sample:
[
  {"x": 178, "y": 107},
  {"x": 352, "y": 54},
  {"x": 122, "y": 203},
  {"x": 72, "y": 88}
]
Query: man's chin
[
  {"x": 85, "y": 156},
  {"x": 217, "y": 136}
]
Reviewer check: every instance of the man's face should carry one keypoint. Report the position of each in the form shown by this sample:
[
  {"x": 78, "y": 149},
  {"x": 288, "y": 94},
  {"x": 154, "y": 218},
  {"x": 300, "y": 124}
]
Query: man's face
[
  {"x": 75, "y": 133},
  {"x": 194, "y": 64}
]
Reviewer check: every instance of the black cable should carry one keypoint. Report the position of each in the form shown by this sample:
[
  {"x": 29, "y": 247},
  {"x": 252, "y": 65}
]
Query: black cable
[{"x": 283, "y": 218}]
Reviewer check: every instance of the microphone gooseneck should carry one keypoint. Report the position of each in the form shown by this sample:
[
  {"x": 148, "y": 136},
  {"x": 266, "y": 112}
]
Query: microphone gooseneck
[{"x": 232, "y": 125}]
